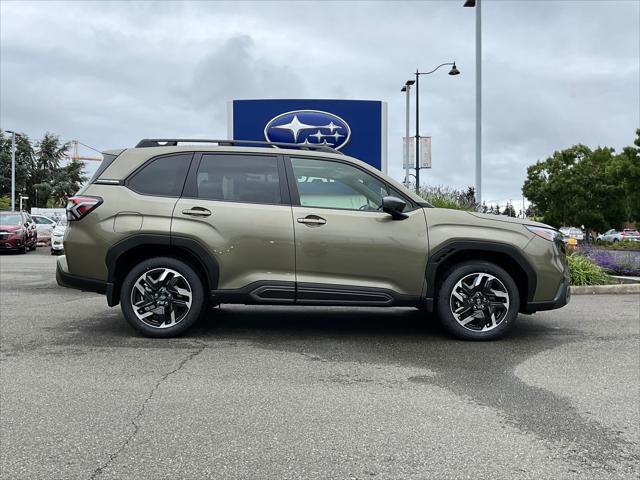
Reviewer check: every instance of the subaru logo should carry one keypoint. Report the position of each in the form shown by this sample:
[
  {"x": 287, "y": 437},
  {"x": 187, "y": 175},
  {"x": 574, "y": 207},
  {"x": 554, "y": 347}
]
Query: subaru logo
[{"x": 308, "y": 127}]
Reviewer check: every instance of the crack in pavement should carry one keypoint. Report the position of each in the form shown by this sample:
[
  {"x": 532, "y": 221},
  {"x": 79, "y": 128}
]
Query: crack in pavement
[{"x": 134, "y": 420}]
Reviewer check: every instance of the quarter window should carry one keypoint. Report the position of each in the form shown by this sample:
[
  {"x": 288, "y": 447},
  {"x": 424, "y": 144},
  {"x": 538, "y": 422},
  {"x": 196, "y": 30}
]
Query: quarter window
[
  {"x": 323, "y": 183},
  {"x": 237, "y": 178},
  {"x": 163, "y": 176}
]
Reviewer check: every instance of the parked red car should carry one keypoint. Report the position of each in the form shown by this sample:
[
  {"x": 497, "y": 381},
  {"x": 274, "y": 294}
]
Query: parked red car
[{"x": 17, "y": 232}]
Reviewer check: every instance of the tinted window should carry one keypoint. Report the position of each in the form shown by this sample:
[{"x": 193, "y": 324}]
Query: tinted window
[
  {"x": 107, "y": 159},
  {"x": 323, "y": 183},
  {"x": 162, "y": 176},
  {"x": 236, "y": 178}
]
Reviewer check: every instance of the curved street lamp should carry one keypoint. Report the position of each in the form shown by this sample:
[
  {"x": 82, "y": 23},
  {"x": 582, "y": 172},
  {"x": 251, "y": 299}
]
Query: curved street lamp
[{"x": 453, "y": 71}]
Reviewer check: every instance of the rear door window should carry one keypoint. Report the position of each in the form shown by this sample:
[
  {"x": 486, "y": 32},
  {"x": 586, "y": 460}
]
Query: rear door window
[
  {"x": 239, "y": 178},
  {"x": 163, "y": 176}
]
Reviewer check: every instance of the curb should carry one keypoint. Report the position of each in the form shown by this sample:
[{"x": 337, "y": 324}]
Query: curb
[{"x": 621, "y": 288}]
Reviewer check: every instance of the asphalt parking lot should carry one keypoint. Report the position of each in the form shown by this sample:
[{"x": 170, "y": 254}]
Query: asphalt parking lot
[{"x": 311, "y": 393}]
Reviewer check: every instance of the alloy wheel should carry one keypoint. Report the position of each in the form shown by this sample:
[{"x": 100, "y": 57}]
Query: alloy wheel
[
  {"x": 479, "y": 302},
  {"x": 161, "y": 297}
]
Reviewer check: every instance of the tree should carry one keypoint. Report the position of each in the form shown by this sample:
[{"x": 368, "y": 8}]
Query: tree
[
  {"x": 509, "y": 211},
  {"x": 66, "y": 182},
  {"x": 40, "y": 174},
  {"x": 624, "y": 170},
  {"x": 24, "y": 157},
  {"x": 579, "y": 186},
  {"x": 496, "y": 210}
]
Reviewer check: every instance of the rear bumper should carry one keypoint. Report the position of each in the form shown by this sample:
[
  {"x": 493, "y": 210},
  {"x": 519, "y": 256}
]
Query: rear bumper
[{"x": 66, "y": 279}]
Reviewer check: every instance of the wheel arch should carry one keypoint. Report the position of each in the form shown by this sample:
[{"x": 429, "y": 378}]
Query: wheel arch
[
  {"x": 504, "y": 255},
  {"x": 122, "y": 256}
]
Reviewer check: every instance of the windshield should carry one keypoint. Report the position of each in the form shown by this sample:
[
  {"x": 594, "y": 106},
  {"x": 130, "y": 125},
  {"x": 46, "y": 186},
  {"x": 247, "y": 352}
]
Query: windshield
[{"x": 10, "y": 219}]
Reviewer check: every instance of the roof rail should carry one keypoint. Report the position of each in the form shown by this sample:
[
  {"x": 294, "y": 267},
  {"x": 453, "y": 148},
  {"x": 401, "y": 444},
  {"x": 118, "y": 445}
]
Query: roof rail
[{"x": 172, "y": 142}]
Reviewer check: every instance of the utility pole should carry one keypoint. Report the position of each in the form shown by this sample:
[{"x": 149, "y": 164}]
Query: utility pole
[
  {"x": 13, "y": 171},
  {"x": 478, "y": 102},
  {"x": 478, "y": 179},
  {"x": 417, "y": 132}
]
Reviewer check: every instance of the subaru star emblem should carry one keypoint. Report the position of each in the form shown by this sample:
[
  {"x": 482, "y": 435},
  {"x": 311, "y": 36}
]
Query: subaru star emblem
[{"x": 308, "y": 127}]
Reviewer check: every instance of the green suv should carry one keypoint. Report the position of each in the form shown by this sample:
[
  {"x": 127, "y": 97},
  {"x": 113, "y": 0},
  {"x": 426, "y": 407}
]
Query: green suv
[{"x": 171, "y": 227}]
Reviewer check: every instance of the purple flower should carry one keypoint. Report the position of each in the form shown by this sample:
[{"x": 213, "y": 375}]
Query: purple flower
[{"x": 615, "y": 262}]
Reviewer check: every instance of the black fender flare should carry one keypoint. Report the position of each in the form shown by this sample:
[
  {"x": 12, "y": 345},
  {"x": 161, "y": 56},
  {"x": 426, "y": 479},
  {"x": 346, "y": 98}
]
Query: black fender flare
[
  {"x": 453, "y": 247},
  {"x": 193, "y": 247}
]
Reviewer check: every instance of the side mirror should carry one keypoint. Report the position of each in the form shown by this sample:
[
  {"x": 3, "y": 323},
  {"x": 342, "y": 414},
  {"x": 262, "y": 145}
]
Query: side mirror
[{"x": 394, "y": 207}]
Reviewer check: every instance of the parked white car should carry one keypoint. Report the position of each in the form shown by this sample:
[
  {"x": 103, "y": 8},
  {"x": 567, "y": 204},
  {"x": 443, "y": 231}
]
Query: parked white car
[
  {"x": 45, "y": 226},
  {"x": 57, "y": 237},
  {"x": 573, "y": 232},
  {"x": 614, "y": 235}
]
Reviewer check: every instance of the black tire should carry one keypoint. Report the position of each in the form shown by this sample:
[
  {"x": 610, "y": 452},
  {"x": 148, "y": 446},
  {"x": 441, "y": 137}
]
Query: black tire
[
  {"x": 25, "y": 247},
  {"x": 505, "y": 285},
  {"x": 34, "y": 245},
  {"x": 193, "y": 314}
]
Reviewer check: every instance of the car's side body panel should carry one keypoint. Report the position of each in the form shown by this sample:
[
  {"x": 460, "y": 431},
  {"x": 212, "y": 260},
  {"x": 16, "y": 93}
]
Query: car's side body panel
[
  {"x": 250, "y": 242},
  {"x": 363, "y": 249}
]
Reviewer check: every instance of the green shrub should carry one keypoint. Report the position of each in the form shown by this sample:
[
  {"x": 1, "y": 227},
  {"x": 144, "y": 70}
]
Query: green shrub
[
  {"x": 446, "y": 197},
  {"x": 621, "y": 245},
  {"x": 584, "y": 271}
]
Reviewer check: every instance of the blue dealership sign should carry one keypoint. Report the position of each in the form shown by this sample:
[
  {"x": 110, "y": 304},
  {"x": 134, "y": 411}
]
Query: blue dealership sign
[{"x": 354, "y": 127}]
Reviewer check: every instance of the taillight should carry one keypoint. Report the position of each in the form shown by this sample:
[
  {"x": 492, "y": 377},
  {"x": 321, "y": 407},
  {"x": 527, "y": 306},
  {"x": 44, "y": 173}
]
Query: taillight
[{"x": 78, "y": 207}]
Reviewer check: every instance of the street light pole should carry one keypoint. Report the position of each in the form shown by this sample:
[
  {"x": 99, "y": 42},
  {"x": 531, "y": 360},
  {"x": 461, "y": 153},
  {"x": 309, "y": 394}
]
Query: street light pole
[
  {"x": 417, "y": 131},
  {"x": 454, "y": 71},
  {"x": 478, "y": 104},
  {"x": 13, "y": 171},
  {"x": 478, "y": 179},
  {"x": 407, "y": 88}
]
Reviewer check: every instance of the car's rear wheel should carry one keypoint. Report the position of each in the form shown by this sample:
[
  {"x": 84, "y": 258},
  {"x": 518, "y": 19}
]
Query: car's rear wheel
[
  {"x": 478, "y": 301},
  {"x": 162, "y": 297}
]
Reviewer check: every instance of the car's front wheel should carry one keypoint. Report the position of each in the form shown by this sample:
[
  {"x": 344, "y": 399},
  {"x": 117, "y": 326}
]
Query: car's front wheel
[
  {"x": 478, "y": 301},
  {"x": 25, "y": 247},
  {"x": 162, "y": 297}
]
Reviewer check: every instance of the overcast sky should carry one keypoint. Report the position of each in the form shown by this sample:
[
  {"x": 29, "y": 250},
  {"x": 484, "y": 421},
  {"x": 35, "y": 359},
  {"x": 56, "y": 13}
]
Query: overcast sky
[{"x": 556, "y": 73}]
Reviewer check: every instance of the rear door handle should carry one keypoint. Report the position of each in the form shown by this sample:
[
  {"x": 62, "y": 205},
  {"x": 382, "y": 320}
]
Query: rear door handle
[
  {"x": 197, "y": 212},
  {"x": 312, "y": 220}
]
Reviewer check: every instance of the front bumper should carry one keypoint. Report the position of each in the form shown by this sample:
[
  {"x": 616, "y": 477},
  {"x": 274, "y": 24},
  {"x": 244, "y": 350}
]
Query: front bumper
[
  {"x": 11, "y": 243},
  {"x": 562, "y": 297},
  {"x": 66, "y": 279},
  {"x": 57, "y": 244}
]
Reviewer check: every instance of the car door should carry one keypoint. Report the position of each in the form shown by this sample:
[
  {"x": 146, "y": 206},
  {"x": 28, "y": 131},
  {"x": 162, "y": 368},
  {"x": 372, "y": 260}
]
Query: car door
[
  {"x": 347, "y": 249},
  {"x": 237, "y": 206}
]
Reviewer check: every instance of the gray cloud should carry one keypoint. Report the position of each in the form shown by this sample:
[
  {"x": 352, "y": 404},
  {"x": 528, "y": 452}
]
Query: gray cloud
[{"x": 555, "y": 73}]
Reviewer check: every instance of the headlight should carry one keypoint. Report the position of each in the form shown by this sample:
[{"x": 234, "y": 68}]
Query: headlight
[{"x": 547, "y": 233}]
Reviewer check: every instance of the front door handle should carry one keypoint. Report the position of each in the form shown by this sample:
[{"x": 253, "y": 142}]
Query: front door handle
[
  {"x": 312, "y": 220},
  {"x": 197, "y": 212}
]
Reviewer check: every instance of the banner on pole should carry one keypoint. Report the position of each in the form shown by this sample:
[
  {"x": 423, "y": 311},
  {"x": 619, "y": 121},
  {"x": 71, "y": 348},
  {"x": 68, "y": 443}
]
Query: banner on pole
[{"x": 425, "y": 152}]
